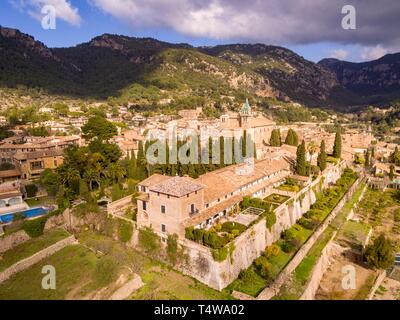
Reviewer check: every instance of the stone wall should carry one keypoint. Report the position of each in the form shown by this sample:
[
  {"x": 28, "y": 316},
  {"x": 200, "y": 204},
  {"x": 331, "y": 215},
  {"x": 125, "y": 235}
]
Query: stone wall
[
  {"x": 11, "y": 241},
  {"x": 55, "y": 222},
  {"x": 319, "y": 269},
  {"x": 118, "y": 207},
  {"x": 377, "y": 284},
  {"x": 330, "y": 250},
  {"x": 283, "y": 277},
  {"x": 251, "y": 243},
  {"x": 247, "y": 247},
  {"x": 37, "y": 257}
]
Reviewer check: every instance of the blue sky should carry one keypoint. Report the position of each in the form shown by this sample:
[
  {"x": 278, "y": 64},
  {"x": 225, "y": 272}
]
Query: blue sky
[{"x": 206, "y": 22}]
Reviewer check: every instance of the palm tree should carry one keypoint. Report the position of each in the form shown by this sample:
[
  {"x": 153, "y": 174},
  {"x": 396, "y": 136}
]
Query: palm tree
[
  {"x": 115, "y": 172},
  {"x": 312, "y": 148}
]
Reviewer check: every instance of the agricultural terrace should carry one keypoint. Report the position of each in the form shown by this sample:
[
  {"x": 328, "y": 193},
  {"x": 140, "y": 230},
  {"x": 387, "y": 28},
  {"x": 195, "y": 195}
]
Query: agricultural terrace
[{"x": 268, "y": 266}]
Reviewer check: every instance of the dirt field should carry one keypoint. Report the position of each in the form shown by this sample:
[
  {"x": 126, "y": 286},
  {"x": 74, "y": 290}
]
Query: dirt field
[
  {"x": 331, "y": 284},
  {"x": 377, "y": 210}
]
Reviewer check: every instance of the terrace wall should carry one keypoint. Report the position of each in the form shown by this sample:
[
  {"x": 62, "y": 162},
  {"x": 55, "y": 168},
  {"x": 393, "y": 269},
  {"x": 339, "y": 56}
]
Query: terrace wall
[
  {"x": 30, "y": 261},
  {"x": 284, "y": 276},
  {"x": 9, "y": 242},
  {"x": 251, "y": 243}
]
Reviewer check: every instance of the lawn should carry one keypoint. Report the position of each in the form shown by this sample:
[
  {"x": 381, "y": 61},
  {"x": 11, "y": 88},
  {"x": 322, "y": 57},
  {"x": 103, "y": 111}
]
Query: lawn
[
  {"x": 161, "y": 281},
  {"x": 276, "y": 198},
  {"x": 289, "y": 187},
  {"x": 164, "y": 283},
  {"x": 30, "y": 247},
  {"x": 356, "y": 232},
  {"x": 74, "y": 267},
  {"x": 42, "y": 201}
]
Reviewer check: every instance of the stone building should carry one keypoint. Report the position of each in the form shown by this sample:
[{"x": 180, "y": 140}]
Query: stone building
[
  {"x": 11, "y": 198},
  {"x": 32, "y": 164},
  {"x": 170, "y": 204}
]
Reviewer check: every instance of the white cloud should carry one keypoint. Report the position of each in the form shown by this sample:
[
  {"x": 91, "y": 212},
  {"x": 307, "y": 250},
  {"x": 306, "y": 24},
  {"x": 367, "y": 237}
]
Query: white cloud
[
  {"x": 373, "y": 53},
  {"x": 340, "y": 54},
  {"x": 64, "y": 9},
  {"x": 272, "y": 21}
]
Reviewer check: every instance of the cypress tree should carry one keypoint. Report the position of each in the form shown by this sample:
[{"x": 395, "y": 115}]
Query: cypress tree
[
  {"x": 367, "y": 159},
  {"x": 289, "y": 138},
  {"x": 337, "y": 147},
  {"x": 292, "y": 139},
  {"x": 141, "y": 171},
  {"x": 321, "y": 160},
  {"x": 391, "y": 173},
  {"x": 301, "y": 166},
  {"x": 222, "y": 152},
  {"x": 244, "y": 142},
  {"x": 295, "y": 138},
  {"x": 132, "y": 167},
  {"x": 275, "y": 140}
]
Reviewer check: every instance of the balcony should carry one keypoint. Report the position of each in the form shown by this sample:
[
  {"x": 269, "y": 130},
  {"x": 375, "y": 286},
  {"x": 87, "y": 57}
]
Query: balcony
[{"x": 193, "y": 212}]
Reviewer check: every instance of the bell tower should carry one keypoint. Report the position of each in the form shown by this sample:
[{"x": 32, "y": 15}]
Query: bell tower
[{"x": 245, "y": 114}]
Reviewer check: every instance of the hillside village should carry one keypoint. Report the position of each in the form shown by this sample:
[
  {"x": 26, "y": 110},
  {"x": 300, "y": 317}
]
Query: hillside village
[{"x": 77, "y": 175}]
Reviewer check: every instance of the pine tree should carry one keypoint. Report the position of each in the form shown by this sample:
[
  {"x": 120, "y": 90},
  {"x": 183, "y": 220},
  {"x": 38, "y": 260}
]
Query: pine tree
[
  {"x": 301, "y": 165},
  {"x": 321, "y": 160},
  {"x": 337, "y": 147},
  {"x": 380, "y": 253}
]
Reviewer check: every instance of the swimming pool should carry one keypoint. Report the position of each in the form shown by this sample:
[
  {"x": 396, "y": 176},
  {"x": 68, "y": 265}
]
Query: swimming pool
[{"x": 30, "y": 213}]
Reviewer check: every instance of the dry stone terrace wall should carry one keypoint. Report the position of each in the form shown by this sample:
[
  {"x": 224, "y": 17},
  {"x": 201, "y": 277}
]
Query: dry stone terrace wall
[
  {"x": 319, "y": 269},
  {"x": 251, "y": 243},
  {"x": 284, "y": 276},
  {"x": 118, "y": 207},
  {"x": 11, "y": 241},
  {"x": 37, "y": 257}
]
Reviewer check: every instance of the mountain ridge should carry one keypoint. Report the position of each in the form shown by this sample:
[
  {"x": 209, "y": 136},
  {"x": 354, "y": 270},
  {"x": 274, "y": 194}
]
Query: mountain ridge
[{"x": 107, "y": 64}]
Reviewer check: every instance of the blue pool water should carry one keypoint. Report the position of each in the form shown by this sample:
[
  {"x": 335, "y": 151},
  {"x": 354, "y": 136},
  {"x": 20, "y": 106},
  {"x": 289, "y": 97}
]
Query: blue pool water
[{"x": 30, "y": 213}]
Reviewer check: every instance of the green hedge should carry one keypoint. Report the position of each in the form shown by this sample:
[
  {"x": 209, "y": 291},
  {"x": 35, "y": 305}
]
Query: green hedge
[
  {"x": 31, "y": 190},
  {"x": 149, "y": 240},
  {"x": 220, "y": 254},
  {"x": 210, "y": 238},
  {"x": 34, "y": 228},
  {"x": 125, "y": 231}
]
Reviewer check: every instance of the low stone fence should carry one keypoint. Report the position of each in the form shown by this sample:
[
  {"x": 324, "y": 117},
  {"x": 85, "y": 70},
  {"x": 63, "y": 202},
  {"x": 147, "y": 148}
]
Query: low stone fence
[
  {"x": 118, "y": 207},
  {"x": 319, "y": 269},
  {"x": 377, "y": 284},
  {"x": 12, "y": 240},
  {"x": 37, "y": 257},
  {"x": 283, "y": 277}
]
